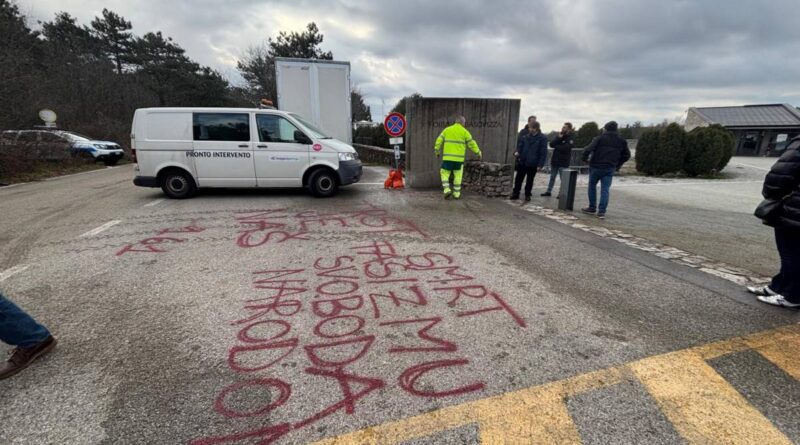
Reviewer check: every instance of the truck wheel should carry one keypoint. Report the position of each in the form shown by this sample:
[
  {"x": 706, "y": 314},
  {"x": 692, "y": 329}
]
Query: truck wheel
[
  {"x": 178, "y": 185},
  {"x": 323, "y": 183}
]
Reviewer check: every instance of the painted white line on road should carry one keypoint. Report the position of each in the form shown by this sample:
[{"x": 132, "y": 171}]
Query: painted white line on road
[
  {"x": 13, "y": 185},
  {"x": 81, "y": 173},
  {"x": 752, "y": 166},
  {"x": 12, "y": 271},
  {"x": 154, "y": 203},
  {"x": 97, "y": 230}
]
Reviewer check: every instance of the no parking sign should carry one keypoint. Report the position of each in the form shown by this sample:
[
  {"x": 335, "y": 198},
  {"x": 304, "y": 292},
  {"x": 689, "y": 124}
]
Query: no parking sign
[{"x": 395, "y": 124}]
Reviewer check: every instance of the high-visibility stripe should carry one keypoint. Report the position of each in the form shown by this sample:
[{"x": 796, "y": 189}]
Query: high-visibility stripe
[
  {"x": 451, "y": 141},
  {"x": 454, "y": 156}
]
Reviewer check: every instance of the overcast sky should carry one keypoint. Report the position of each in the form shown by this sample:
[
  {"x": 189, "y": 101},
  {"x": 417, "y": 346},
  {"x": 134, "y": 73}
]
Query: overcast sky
[{"x": 574, "y": 60}]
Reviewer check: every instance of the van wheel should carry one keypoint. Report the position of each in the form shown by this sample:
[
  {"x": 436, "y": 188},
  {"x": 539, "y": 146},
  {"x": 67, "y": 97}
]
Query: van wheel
[
  {"x": 323, "y": 183},
  {"x": 178, "y": 185}
]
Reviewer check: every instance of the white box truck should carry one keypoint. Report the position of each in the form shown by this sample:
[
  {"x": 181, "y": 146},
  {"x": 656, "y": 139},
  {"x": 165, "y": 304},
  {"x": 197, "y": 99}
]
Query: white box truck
[{"x": 318, "y": 90}]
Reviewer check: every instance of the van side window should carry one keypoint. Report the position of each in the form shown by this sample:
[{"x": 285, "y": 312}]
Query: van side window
[
  {"x": 273, "y": 128},
  {"x": 221, "y": 126}
]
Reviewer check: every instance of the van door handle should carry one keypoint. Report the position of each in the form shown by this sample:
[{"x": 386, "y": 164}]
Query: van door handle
[
  {"x": 243, "y": 145},
  {"x": 262, "y": 146}
]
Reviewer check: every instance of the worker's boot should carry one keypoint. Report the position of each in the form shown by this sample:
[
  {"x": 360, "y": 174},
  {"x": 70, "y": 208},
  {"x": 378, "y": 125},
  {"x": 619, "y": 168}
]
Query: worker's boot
[{"x": 448, "y": 193}]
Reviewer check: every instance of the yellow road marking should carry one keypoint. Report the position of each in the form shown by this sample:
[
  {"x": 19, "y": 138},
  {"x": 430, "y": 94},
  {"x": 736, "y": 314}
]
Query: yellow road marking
[
  {"x": 703, "y": 407},
  {"x": 783, "y": 352}
]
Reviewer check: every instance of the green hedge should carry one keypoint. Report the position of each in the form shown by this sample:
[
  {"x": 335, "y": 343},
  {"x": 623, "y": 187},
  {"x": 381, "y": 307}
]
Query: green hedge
[
  {"x": 728, "y": 142},
  {"x": 703, "y": 151},
  {"x": 646, "y": 146},
  {"x": 661, "y": 152},
  {"x": 586, "y": 133}
]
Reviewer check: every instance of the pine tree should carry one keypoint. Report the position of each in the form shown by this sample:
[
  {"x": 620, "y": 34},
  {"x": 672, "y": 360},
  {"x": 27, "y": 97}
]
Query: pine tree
[{"x": 113, "y": 31}]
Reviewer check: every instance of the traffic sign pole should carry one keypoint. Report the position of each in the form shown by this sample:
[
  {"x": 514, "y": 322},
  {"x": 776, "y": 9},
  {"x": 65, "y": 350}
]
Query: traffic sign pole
[{"x": 395, "y": 126}]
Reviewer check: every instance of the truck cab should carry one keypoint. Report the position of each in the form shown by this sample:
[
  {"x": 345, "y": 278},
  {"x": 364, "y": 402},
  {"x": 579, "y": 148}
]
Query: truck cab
[{"x": 184, "y": 149}]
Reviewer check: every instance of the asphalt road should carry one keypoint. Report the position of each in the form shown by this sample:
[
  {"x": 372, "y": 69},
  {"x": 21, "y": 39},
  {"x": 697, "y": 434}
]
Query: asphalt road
[
  {"x": 270, "y": 316},
  {"x": 707, "y": 217}
]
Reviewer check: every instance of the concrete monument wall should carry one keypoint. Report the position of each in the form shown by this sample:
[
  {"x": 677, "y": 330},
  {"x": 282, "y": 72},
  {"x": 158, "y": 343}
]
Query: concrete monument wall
[{"x": 492, "y": 123}]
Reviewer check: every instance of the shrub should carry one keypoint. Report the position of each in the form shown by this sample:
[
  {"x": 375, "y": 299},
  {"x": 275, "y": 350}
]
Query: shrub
[
  {"x": 645, "y": 147},
  {"x": 662, "y": 152},
  {"x": 728, "y": 143},
  {"x": 671, "y": 149},
  {"x": 704, "y": 147},
  {"x": 586, "y": 133}
]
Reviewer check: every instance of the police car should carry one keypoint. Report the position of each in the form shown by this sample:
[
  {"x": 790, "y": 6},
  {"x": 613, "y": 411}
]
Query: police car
[
  {"x": 51, "y": 145},
  {"x": 184, "y": 149}
]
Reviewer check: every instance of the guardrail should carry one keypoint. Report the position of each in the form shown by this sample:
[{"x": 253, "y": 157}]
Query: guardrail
[{"x": 378, "y": 155}]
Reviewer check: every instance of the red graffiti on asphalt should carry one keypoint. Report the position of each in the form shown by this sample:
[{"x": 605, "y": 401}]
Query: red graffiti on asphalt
[
  {"x": 375, "y": 303},
  {"x": 157, "y": 244},
  {"x": 276, "y": 226}
]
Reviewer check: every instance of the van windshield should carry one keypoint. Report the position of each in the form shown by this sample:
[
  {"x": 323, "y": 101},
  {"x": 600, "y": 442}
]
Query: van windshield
[{"x": 316, "y": 133}]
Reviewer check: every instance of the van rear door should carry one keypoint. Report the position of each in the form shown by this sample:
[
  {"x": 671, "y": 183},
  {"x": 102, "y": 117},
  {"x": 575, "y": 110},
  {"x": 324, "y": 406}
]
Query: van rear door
[{"x": 222, "y": 149}]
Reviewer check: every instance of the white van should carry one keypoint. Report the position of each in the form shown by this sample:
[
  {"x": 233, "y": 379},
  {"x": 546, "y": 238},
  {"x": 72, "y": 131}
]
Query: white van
[{"x": 183, "y": 149}]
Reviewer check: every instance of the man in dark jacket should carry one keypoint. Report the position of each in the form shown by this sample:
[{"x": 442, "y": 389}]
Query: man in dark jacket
[
  {"x": 562, "y": 154},
  {"x": 605, "y": 155},
  {"x": 531, "y": 156},
  {"x": 782, "y": 194}
]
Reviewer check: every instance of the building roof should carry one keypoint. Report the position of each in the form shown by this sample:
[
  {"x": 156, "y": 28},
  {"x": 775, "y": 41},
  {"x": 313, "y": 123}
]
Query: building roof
[{"x": 772, "y": 115}]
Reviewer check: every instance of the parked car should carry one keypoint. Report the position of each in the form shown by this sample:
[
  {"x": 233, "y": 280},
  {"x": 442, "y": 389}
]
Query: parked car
[{"x": 59, "y": 144}]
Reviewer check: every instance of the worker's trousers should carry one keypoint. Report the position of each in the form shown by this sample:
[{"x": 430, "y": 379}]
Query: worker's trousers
[{"x": 457, "y": 176}]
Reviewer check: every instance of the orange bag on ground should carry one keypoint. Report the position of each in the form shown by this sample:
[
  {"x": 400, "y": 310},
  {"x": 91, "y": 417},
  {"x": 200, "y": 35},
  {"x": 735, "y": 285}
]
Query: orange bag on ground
[
  {"x": 389, "y": 183},
  {"x": 395, "y": 180}
]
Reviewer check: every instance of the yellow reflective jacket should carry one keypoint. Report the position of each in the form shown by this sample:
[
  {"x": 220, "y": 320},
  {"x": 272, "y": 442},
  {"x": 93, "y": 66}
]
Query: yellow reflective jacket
[{"x": 455, "y": 139}]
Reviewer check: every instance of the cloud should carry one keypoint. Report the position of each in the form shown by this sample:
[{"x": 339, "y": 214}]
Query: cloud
[{"x": 572, "y": 60}]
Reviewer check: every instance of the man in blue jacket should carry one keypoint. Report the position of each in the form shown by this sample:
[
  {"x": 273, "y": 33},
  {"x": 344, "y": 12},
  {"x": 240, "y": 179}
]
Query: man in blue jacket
[
  {"x": 605, "y": 155},
  {"x": 531, "y": 156}
]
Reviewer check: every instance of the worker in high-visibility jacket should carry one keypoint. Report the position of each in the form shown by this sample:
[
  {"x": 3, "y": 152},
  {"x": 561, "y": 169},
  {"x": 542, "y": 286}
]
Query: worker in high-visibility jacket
[{"x": 452, "y": 146}]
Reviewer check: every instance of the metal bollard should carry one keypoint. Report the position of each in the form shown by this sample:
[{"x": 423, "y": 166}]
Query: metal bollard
[{"x": 569, "y": 182}]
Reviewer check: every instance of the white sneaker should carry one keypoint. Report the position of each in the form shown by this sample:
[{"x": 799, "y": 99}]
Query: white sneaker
[
  {"x": 778, "y": 300},
  {"x": 763, "y": 291}
]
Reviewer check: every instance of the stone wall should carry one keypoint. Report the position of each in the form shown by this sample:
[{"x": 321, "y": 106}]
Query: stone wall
[
  {"x": 488, "y": 179},
  {"x": 377, "y": 155}
]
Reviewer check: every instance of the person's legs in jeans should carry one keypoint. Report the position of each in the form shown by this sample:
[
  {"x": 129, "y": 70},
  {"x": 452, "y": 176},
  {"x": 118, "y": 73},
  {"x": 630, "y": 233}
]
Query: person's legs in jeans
[
  {"x": 554, "y": 171},
  {"x": 530, "y": 173},
  {"x": 593, "y": 179},
  {"x": 605, "y": 190},
  {"x": 17, "y": 328},
  {"x": 787, "y": 282},
  {"x": 518, "y": 180}
]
